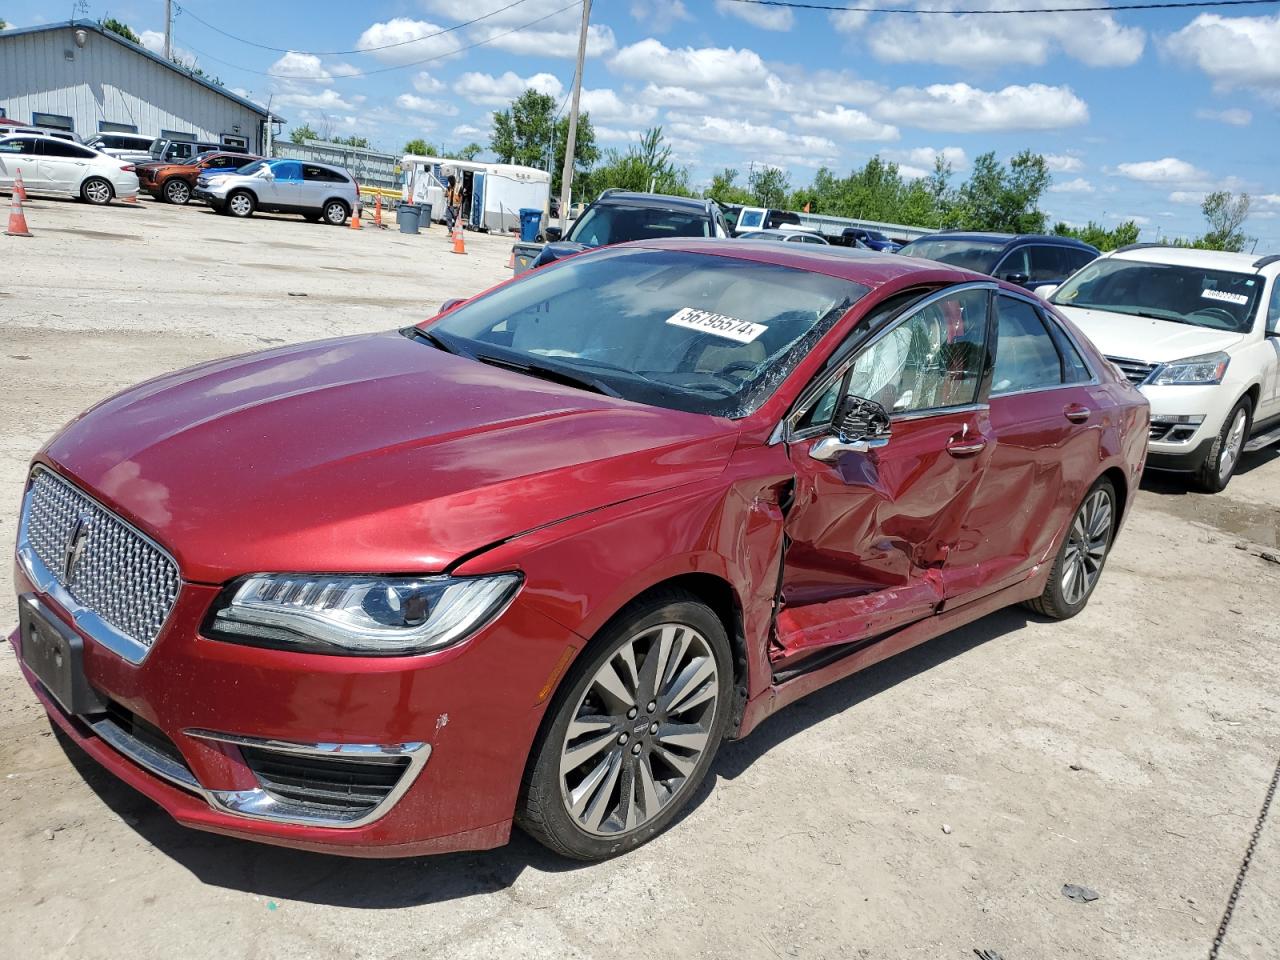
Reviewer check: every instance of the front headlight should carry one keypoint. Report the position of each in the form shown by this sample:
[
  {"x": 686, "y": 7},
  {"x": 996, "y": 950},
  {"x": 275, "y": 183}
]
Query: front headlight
[
  {"x": 1193, "y": 371},
  {"x": 359, "y": 615}
]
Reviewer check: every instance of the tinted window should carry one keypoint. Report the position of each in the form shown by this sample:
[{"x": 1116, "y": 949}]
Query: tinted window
[
  {"x": 287, "y": 170},
  {"x": 1026, "y": 357},
  {"x": 778, "y": 217},
  {"x": 603, "y": 225},
  {"x": 977, "y": 255},
  {"x": 21, "y": 145},
  {"x": 931, "y": 360},
  {"x": 1016, "y": 262},
  {"x": 310, "y": 172},
  {"x": 1077, "y": 259},
  {"x": 1048, "y": 264},
  {"x": 60, "y": 148},
  {"x": 1273, "y": 311},
  {"x": 1074, "y": 369},
  {"x": 1217, "y": 299},
  {"x": 750, "y": 218},
  {"x": 707, "y": 334},
  {"x": 219, "y": 163}
]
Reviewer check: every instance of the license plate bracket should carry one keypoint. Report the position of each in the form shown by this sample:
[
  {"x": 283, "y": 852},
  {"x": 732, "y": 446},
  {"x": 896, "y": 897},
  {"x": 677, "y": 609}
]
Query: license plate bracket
[{"x": 55, "y": 654}]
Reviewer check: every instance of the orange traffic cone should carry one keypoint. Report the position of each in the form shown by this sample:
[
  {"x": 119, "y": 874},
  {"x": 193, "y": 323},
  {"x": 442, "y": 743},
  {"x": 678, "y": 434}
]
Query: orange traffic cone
[
  {"x": 355, "y": 218},
  {"x": 458, "y": 245},
  {"x": 130, "y": 199},
  {"x": 17, "y": 219},
  {"x": 511, "y": 261},
  {"x": 19, "y": 188},
  {"x": 377, "y": 210}
]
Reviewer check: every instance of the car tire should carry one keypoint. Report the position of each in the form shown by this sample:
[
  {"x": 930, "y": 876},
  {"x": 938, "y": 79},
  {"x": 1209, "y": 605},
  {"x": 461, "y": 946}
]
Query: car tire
[
  {"x": 176, "y": 190},
  {"x": 1082, "y": 556},
  {"x": 97, "y": 191},
  {"x": 335, "y": 213},
  {"x": 240, "y": 203},
  {"x": 1224, "y": 455},
  {"x": 637, "y": 767}
]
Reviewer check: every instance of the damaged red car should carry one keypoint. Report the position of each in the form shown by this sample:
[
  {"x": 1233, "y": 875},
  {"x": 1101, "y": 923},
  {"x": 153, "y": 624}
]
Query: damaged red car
[{"x": 534, "y": 559}]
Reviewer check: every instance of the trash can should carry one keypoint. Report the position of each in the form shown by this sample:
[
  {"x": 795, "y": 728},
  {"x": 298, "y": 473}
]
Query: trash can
[
  {"x": 407, "y": 216},
  {"x": 530, "y": 220}
]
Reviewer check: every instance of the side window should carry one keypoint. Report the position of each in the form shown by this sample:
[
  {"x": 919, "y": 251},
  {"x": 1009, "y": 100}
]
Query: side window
[
  {"x": 931, "y": 360},
  {"x": 1273, "y": 310},
  {"x": 320, "y": 173},
  {"x": 19, "y": 145},
  {"x": 287, "y": 171},
  {"x": 1077, "y": 259},
  {"x": 60, "y": 148},
  {"x": 1026, "y": 357},
  {"x": 1074, "y": 369},
  {"x": 1048, "y": 264},
  {"x": 1015, "y": 263},
  {"x": 223, "y": 162}
]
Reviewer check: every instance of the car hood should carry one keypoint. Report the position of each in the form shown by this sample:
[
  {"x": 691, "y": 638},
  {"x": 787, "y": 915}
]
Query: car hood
[
  {"x": 368, "y": 454},
  {"x": 1140, "y": 338}
]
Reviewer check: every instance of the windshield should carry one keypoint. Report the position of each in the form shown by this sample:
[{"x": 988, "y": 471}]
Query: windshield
[
  {"x": 1217, "y": 299},
  {"x": 250, "y": 168},
  {"x": 157, "y": 147},
  {"x": 687, "y": 331},
  {"x": 604, "y": 225},
  {"x": 977, "y": 255}
]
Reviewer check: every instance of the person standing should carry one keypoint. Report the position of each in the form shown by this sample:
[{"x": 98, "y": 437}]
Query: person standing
[{"x": 452, "y": 202}]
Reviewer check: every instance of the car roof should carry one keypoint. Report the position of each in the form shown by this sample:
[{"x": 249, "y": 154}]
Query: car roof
[
  {"x": 1008, "y": 239},
  {"x": 861, "y": 266},
  {"x": 775, "y": 232},
  {"x": 652, "y": 200},
  {"x": 1188, "y": 257}
]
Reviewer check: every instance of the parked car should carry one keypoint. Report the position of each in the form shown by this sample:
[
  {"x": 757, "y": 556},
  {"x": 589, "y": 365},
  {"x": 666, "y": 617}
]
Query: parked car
[
  {"x": 761, "y": 218},
  {"x": 132, "y": 147},
  {"x": 52, "y": 165},
  {"x": 175, "y": 151},
  {"x": 176, "y": 182},
  {"x": 872, "y": 239},
  {"x": 318, "y": 191},
  {"x": 785, "y": 236},
  {"x": 619, "y": 216},
  {"x": 535, "y": 558},
  {"x": 55, "y": 132},
  {"x": 1199, "y": 332},
  {"x": 1027, "y": 259}
]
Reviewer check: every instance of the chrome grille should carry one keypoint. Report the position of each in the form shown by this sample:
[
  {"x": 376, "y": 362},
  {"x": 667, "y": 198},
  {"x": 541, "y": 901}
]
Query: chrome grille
[
  {"x": 1135, "y": 371},
  {"x": 117, "y": 574}
]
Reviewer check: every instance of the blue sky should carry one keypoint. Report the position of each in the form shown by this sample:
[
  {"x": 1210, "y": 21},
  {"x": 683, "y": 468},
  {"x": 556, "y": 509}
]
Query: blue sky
[{"x": 1139, "y": 112}]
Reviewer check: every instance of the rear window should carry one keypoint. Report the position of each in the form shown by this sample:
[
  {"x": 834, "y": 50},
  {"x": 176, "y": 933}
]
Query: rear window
[
  {"x": 977, "y": 255},
  {"x": 750, "y": 218},
  {"x": 604, "y": 225}
]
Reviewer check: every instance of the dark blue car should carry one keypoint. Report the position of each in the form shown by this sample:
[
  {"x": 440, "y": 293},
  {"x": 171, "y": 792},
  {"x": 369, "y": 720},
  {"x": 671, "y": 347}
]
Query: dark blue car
[{"x": 1027, "y": 259}]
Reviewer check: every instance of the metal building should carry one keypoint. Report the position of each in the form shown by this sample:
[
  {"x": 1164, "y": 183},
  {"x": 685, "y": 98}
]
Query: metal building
[{"x": 80, "y": 77}]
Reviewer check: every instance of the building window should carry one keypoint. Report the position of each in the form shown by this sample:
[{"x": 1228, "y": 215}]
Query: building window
[
  {"x": 106, "y": 126},
  {"x": 232, "y": 140},
  {"x": 178, "y": 135},
  {"x": 54, "y": 120}
]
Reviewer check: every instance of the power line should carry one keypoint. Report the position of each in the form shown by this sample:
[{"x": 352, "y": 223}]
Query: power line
[
  {"x": 988, "y": 11},
  {"x": 342, "y": 53},
  {"x": 399, "y": 66}
]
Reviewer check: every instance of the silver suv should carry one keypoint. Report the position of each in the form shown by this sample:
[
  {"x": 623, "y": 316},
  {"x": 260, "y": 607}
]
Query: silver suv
[{"x": 318, "y": 191}]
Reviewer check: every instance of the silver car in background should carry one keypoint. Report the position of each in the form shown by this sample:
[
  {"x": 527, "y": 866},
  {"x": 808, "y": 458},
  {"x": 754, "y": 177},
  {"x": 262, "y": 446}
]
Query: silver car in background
[{"x": 317, "y": 191}]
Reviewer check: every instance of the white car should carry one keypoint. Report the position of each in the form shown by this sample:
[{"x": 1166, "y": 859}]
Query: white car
[
  {"x": 129, "y": 147},
  {"x": 784, "y": 236},
  {"x": 1199, "y": 332},
  {"x": 51, "y": 165}
]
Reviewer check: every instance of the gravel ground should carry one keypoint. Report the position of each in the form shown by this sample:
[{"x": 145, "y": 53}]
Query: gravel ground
[{"x": 932, "y": 805}]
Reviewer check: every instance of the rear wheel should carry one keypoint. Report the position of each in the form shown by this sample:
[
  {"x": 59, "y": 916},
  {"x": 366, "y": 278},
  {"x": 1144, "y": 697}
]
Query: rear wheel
[
  {"x": 1083, "y": 554},
  {"x": 240, "y": 204},
  {"x": 97, "y": 191},
  {"x": 177, "y": 191},
  {"x": 1224, "y": 456},
  {"x": 632, "y": 731},
  {"x": 336, "y": 212}
]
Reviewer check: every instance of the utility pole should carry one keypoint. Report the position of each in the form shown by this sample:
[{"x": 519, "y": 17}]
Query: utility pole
[
  {"x": 168, "y": 29},
  {"x": 270, "y": 131},
  {"x": 566, "y": 175}
]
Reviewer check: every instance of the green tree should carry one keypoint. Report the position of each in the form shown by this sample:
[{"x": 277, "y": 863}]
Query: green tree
[
  {"x": 469, "y": 152},
  {"x": 1226, "y": 214},
  {"x": 724, "y": 188},
  {"x": 996, "y": 197},
  {"x": 769, "y": 186},
  {"x": 645, "y": 167},
  {"x": 303, "y": 133},
  {"x": 420, "y": 148},
  {"x": 117, "y": 27},
  {"x": 352, "y": 141},
  {"x": 3, "y": 25},
  {"x": 1099, "y": 236},
  {"x": 525, "y": 131}
]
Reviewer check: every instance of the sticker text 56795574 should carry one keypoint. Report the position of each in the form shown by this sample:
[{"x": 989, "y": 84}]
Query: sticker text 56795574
[{"x": 704, "y": 321}]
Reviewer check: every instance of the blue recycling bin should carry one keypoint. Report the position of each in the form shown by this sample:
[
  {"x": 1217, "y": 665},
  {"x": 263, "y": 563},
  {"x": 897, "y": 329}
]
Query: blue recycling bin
[{"x": 530, "y": 221}]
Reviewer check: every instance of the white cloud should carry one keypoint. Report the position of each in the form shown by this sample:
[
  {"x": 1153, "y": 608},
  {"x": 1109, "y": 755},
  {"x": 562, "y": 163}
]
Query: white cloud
[
  {"x": 672, "y": 97},
  {"x": 768, "y": 142},
  {"x": 1187, "y": 196},
  {"x": 607, "y": 107},
  {"x": 1233, "y": 51},
  {"x": 764, "y": 17},
  {"x": 1063, "y": 163},
  {"x": 416, "y": 39},
  {"x": 324, "y": 99},
  {"x": 307, "y": 66},
  {"x": 425, "y": 105},
  {"x": 700, "y": 68},
  {"x": 423, "y": 82},
  {"x": 1078, "y": 185},
  {"x": 547, "y": 43},
  {"x": 483, "y": 88},
  {"x": 1137, "y": 218},
  {"x": 614, "y": 135},
  {"x": 960, "y": 108},
  {"x": 1233, "y": 116},
  {"x": 153, "y": 40},
  {"x": 467, "y": 131},
  {"x": 1268, "y": 199},
  {"x": 921, "y": 158},
  {"x": 909, "y": 172},
  {"x": 1164, "y": 170},
  {"x": 846, "y": 124},
  {"x": 659, "y": 15},
  {"x": 1095, "y": 39}
]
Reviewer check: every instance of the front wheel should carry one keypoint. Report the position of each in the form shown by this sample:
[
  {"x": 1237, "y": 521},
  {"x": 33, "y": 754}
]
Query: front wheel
[
  {"x": 177, "y": 191},
  {"x": 240, "y": 204},
  {"x": 1083, "y": 554},
  {"x": 1224, "y": 456},
  {"x": 632, "y": 731},
  {"x": 97, "y": 191}
]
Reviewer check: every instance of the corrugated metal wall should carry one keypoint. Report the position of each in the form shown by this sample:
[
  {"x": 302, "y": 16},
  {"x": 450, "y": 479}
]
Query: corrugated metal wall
[
  {"x": 371, "y": 168},
  {"x": 105, "y": 80}
]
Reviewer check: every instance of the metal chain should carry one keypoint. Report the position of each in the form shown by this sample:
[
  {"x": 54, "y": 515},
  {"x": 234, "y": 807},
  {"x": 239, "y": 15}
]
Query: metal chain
[{"x": 1244, "y": 866}]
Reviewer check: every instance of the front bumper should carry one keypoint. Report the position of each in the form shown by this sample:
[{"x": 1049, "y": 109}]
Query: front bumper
[
  {"x": 473, "y": 710},
  {"x": 1183, "y": 446}
]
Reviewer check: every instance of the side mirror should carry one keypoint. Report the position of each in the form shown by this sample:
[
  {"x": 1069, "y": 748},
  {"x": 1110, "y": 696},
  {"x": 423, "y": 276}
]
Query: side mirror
[
  {"x": 451, "y": 303},
  {"x": 1045, "y": 290},
  {"x": 859, "y": 425},
  {"x": 1019, "y": 278},
  {"x": 552, "y": 234}
]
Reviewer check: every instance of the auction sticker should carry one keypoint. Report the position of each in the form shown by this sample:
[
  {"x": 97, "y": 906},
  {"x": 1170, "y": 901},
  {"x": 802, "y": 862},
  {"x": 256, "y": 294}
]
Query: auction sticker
[
  {"x": 1224, "y": 296},
  {"x": 731, "y": 328}
]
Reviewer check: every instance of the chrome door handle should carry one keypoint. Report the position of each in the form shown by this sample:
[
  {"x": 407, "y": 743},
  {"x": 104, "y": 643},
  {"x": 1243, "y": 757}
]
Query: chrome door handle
[
  {"x": 1076, "y": 412},
  {"x": 965, "y": 444}
]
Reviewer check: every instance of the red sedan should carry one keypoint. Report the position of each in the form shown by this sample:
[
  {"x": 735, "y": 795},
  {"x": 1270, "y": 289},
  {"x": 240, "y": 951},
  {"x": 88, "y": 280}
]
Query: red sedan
[{"x": 531, "y": 561}]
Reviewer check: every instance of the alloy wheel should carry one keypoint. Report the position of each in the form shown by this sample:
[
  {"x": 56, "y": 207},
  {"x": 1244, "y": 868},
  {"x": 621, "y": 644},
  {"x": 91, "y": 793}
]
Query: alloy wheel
[
  {"x": 1087, "y": 544},
  {"x": 335, "y": 213},
  {"x": 98, "y": 191},
  {"x": 1232, "y": 446},
  {"x": 177, "y": 191},
  {"x": 240, "y": 204},
  {"x": 639, "y": 730}
]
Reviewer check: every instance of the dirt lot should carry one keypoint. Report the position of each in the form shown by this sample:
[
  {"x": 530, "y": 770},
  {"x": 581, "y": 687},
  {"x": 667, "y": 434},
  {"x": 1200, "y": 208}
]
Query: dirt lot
[{"x": 1127, "y": 750}]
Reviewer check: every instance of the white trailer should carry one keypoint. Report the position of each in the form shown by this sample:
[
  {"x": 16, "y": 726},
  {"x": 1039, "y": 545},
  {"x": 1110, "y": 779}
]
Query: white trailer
[{"x": 493, "y": 193}]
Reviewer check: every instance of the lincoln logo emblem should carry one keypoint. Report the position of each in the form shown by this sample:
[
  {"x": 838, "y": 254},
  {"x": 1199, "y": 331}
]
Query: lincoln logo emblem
[{"x": 75, "y": 545}]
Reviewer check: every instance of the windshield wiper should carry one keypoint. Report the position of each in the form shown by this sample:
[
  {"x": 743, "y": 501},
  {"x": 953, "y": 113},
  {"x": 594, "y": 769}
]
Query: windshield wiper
[
  {"x": 553, "y": 374},
  {"x": 438, "y": 342}
]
